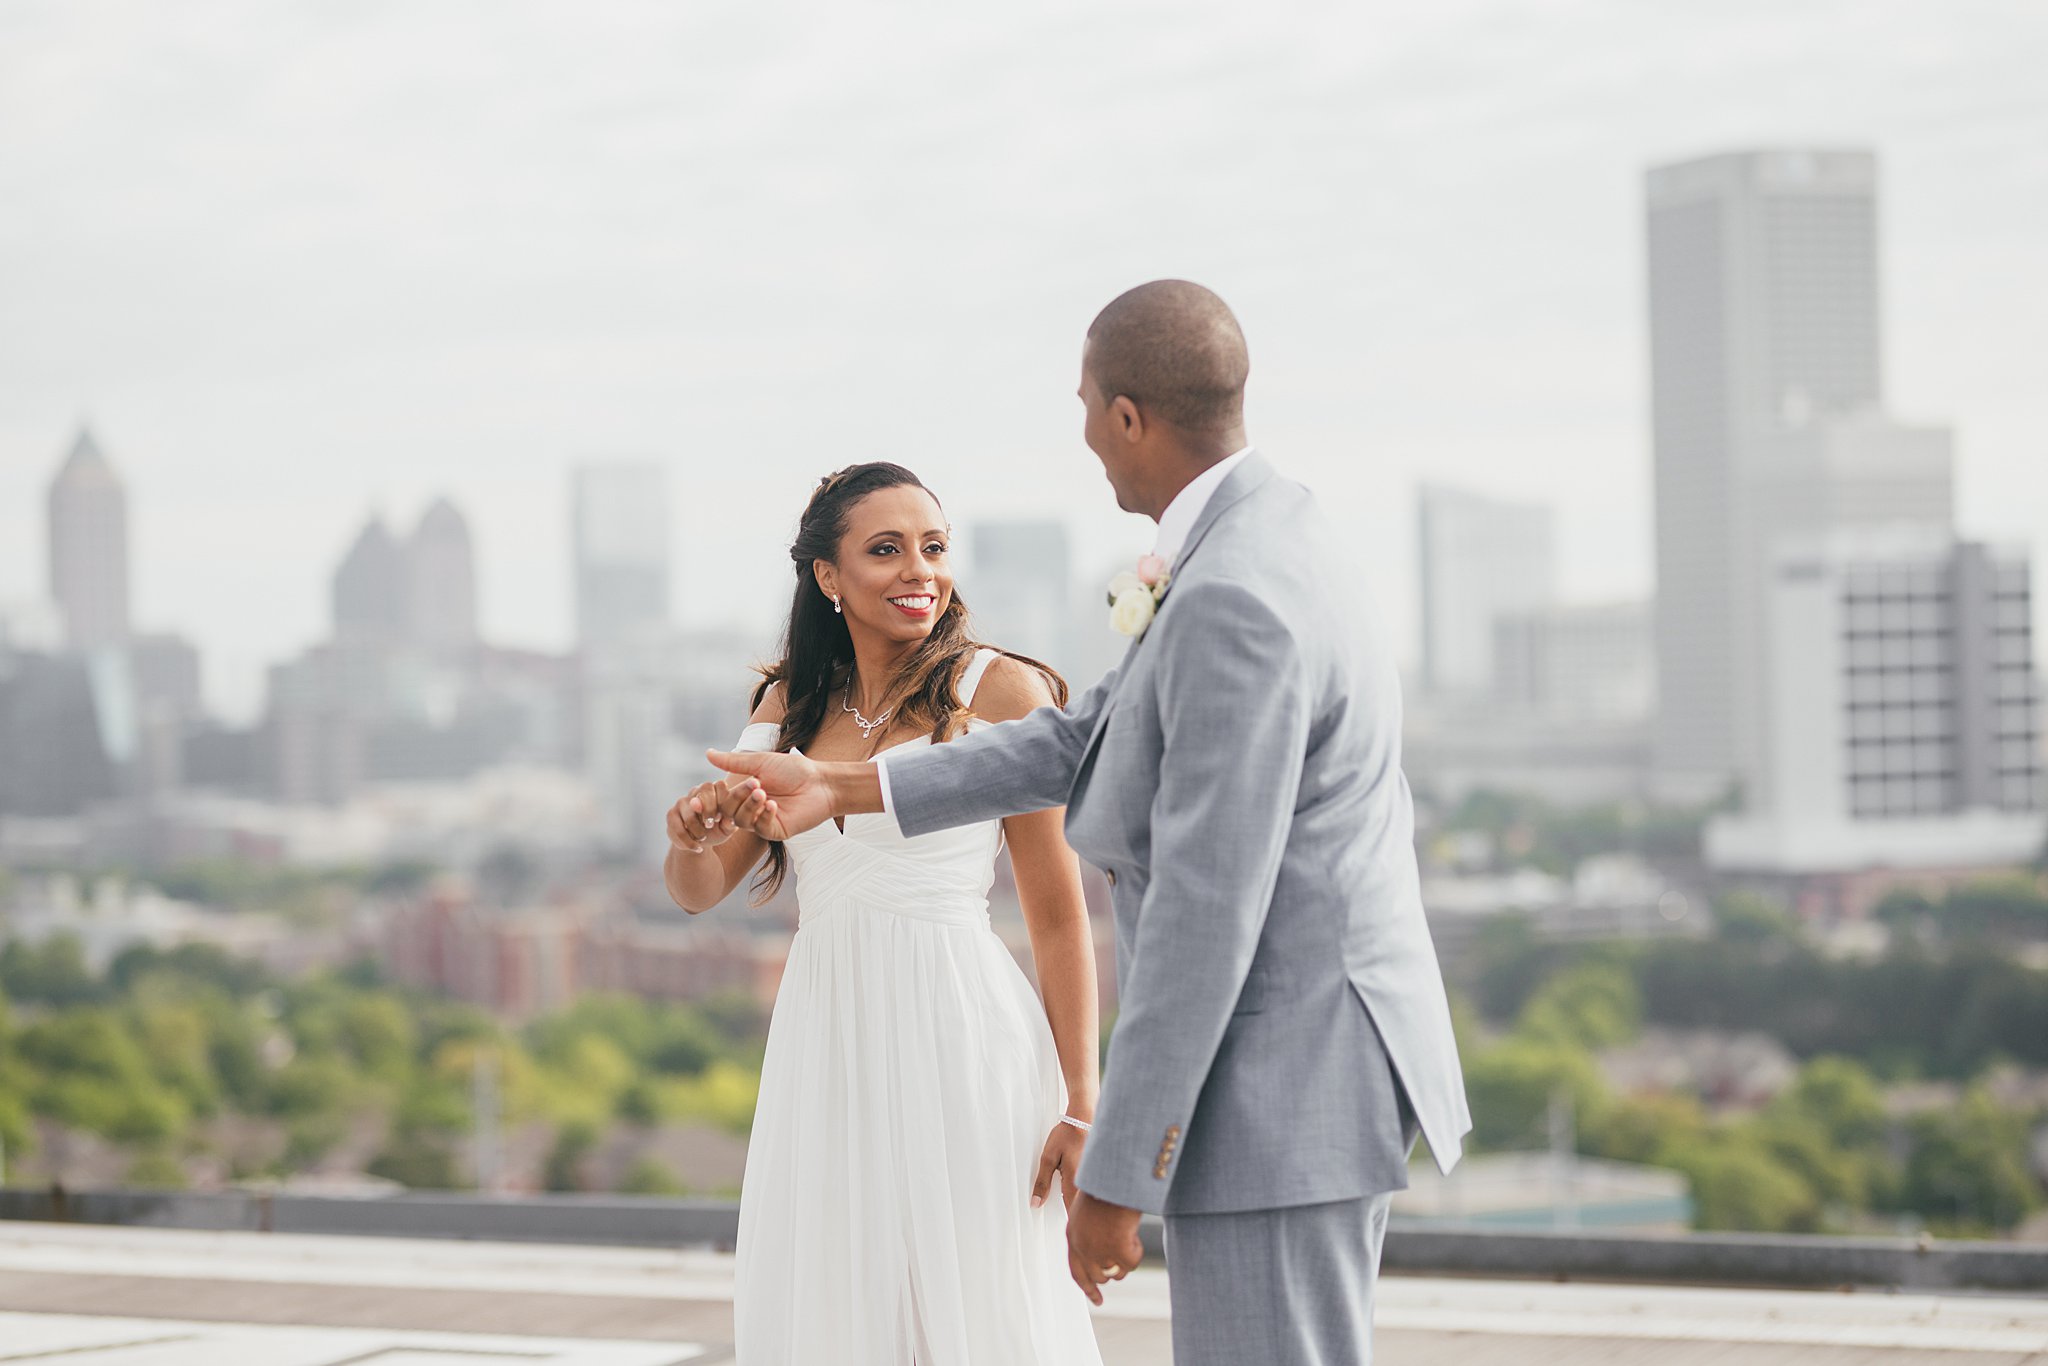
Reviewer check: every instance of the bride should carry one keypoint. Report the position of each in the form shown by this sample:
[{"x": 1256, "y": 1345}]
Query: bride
[{"x": 916, "y": 1098}]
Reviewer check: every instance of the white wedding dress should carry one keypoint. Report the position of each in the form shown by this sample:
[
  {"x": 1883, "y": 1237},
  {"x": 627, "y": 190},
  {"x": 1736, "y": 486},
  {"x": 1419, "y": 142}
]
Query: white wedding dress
[{"x": 909, "y": 1086}]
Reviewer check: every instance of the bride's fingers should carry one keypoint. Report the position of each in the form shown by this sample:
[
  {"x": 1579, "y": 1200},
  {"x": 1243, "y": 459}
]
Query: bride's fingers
[
  {"x": 679, "y": 833},
  {"x": 1047, "y": 1164},
  {"x": 704, "y": 825}
]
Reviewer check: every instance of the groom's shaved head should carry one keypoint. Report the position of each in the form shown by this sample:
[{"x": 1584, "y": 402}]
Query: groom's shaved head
[{"x": 1174, "y": 349}]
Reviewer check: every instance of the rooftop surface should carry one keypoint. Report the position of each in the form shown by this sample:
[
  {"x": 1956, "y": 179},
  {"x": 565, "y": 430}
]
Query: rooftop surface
[{"x": 100, "y": 1296}]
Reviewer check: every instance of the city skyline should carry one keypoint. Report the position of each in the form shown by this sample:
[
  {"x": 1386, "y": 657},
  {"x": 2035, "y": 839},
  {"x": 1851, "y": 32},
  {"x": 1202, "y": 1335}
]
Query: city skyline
[{"x": 725, "y": 247}]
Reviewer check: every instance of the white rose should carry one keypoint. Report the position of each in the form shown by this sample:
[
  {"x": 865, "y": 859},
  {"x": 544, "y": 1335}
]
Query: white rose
[
  {"x": 1123, "y": 583},
  {"x": 1133, "y": 611}
]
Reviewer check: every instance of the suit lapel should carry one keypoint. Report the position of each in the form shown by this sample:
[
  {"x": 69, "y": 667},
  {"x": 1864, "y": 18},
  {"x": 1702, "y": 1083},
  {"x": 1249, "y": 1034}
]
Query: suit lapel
[{"x": 1254, "y": 471}]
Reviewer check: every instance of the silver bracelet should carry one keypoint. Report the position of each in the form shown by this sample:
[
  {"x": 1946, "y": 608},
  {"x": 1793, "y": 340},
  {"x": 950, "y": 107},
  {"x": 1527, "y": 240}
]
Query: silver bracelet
[{"x": 1083, "y": 1125}]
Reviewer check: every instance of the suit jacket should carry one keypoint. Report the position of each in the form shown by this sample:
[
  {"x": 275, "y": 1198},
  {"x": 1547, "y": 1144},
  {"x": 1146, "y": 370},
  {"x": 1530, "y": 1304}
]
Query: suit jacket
[{"x": 1239, "y": 778}]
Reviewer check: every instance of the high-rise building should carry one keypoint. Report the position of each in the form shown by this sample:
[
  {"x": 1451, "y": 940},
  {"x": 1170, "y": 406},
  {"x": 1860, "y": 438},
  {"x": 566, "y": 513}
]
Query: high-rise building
[
  {"x": 621, "y": 537},
  {"x": 1766, "y": 396},
  {"x": 1901, "y": 709},
  {"x": 1480, "y": 557},
  {"x": 369, "y": 588},
  {"x": 89, "y": 547},
  {"x": 441, "y": 581},
  {"x": 53, "y": 756},
  {"x": 1576, "y": 664},
  {"x": 1020, "y": 587}
]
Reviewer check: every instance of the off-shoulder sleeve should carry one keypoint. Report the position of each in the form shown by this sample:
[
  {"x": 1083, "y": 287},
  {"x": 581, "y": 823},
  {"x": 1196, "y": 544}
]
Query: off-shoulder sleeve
[{"x": 759, "y": 738}]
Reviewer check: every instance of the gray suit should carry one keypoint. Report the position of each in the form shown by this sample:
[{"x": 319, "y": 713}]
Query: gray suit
[{"x": 1283, "y": 1024}]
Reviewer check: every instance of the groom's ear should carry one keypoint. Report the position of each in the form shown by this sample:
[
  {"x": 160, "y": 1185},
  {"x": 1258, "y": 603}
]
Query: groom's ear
[{"x": 1129, "y": 420}]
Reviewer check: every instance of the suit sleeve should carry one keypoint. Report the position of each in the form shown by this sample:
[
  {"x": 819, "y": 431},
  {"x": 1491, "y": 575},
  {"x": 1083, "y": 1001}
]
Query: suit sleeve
[
  {"x": 1234, "y": 709},
  {"x": 1006, "y": 770}
]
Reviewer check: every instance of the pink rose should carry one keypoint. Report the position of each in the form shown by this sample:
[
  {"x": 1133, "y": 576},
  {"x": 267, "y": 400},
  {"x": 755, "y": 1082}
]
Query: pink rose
[{"x": 1151, "y": 569}]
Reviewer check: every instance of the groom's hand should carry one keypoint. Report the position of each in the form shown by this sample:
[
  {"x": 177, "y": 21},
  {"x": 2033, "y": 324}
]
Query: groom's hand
[
  {"x": 1102, "y": 1243},
  {"x": 794, "y": 794}
]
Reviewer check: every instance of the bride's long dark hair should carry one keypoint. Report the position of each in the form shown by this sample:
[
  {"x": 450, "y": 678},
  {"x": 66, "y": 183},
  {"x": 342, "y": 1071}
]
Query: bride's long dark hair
[{"x": 817, "y": 649}]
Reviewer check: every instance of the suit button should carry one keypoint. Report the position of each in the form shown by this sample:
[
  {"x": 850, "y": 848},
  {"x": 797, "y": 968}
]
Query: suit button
[
  {"x": 1111, "y": 875},
  {"x": 1173, "y": 1131},
  {"x": 1159, "y": 1172}
]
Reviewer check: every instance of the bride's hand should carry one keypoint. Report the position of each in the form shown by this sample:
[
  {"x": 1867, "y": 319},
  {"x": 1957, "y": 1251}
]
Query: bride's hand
[
  {"x": 703, "y": 819},
  {"x": 1063, "y": 1148}
]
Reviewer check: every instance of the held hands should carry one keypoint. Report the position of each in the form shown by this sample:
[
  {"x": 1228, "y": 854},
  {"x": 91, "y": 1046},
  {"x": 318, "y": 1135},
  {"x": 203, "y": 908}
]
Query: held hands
[
  {"x": 712, "y": 814},
  {"x": 783, "y": 794}
]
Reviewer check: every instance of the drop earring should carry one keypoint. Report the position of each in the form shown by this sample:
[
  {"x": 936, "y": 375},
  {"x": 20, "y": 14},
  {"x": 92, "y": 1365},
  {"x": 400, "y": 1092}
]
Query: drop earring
[{"x": 837, "y": 608}]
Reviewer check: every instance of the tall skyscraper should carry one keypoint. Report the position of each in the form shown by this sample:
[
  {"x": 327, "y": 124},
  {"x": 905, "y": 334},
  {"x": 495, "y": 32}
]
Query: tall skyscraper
[
  {"x": 1481, "y": 557},
  {"x": 1020, "y": 586},
  {"x": 621, "y": 536},
  {"x": 369, "y": 588},
  {"x": 89, "y": 547},
  {"x": 1766, "y": 395},
  {"x": 441, "y": 580}
]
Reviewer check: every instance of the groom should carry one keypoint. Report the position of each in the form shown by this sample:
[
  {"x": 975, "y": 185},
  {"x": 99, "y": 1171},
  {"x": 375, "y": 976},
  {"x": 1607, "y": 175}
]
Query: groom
[{"x": 1283, "y": 1029}]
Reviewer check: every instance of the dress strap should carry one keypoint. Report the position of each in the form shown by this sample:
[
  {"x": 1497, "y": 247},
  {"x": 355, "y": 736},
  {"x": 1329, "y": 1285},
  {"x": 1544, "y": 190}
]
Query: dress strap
[{"x": 971, "y": 678}]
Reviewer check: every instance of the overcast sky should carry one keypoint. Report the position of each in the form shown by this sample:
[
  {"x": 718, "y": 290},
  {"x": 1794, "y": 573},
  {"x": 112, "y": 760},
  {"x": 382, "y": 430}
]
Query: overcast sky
[{"x": 302, "y": 260}]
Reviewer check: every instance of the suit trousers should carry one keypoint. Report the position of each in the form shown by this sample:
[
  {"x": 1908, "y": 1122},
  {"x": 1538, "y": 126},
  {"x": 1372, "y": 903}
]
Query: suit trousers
[{"x": 1276, "y": 1287}]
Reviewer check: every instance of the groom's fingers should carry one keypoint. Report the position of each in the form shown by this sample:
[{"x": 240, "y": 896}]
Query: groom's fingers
[
  {"x": 1133, "y": 1254},
  {"x": 1081, "y": 1276},
  {"x": 751, "y": 812},
  {"x": 744, "y": 765}
]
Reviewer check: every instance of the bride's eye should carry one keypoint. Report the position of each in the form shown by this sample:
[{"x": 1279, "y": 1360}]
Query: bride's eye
[{"x": 935, "y": 548}]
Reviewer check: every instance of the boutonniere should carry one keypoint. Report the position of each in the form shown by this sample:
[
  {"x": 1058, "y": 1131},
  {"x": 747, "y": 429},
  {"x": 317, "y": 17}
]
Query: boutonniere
[{"x": 1134, "y": 596}]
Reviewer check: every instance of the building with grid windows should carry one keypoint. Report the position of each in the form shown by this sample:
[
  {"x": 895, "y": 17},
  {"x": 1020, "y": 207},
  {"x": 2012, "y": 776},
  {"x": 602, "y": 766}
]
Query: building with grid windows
[{"x": 1901, "y": 708}]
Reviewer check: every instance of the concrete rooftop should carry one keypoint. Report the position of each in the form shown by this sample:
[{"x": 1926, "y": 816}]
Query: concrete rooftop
[{"x": 101, "y": 1296}]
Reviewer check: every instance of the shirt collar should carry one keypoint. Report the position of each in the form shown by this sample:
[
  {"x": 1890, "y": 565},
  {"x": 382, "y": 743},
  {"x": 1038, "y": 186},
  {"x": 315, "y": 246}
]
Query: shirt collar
[{"x": 1186, "y": 508}]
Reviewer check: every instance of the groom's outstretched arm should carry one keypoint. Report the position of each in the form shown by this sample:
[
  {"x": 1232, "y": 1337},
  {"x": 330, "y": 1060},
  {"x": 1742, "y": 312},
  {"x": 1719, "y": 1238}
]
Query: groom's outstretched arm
[
  {"x": 1006, "y": 770},
  {"x": 1234, "y": 704}
]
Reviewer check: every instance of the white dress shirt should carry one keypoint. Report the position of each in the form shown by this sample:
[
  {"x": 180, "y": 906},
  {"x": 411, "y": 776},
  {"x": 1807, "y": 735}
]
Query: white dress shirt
[
  {"x": 1174, "y": 525},
  {"x": 1186, "y": 508}
]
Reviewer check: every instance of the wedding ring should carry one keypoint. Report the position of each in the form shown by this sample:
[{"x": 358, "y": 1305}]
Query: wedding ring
[{"x": 1112, "y": 1270}]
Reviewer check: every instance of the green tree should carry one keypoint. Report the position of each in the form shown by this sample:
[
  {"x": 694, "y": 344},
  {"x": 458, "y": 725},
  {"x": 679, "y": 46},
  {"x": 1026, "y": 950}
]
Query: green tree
[
  {"x": 563, "y": 1170},
  {"x": 418, "y": 1160},
  {"x": 313, "y": 1084},
  {"x": 651, "y": 1176},
  {"x": 1510, "y": 1087},
  {"x": 1590, "y": 1005},
  {"x": 1842, "y": 1097},
  {"x": 1745, "y": 918},
  {"x": 157, "y": 1171},
  {"x": 379, "y": 1033},
  {"x": 1644, "y": 1128},
  {"x": 1739, "y": 1185},
  {"x": 49, "y": 973},
  {"x": 1969, "y": 1166}
]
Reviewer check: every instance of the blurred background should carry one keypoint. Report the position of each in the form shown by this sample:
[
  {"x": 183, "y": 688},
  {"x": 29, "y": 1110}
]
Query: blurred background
[{"x": 405, "y": 409}]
